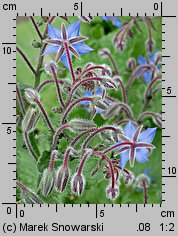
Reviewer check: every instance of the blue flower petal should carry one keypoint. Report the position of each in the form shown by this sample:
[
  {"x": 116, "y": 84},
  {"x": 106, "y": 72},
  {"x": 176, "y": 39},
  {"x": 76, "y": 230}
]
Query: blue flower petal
[
  {"x": 81, "y": 48},
  {"x": 117, "y": 23},
  {"x": 99, "y": 91},
  {"x": 142, "y": 155},
  {"x": 51, "y": 49},
  {"x": 98, "y": 110},
  {"x": 85, "y": 103},
  {"x": 129, "y": 130},
  {"x": 54, "y": 32},
  {"x": 142, "y": 60},
  {"x": 64, "y": 60},
  {"x": 87, "y": 93},
  {"x": 147, "y": 172},
  {"x": 147, "y": 136},
  {"x": 124, "y": 157},
  {"x": 152, "y": 57},
  {"x": 147, "y": 76},
  {"x": 73, "y": 29},
  {"x": 106, "y": 18}
]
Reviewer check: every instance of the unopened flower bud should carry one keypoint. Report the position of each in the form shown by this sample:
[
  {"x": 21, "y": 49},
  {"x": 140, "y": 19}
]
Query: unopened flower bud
[
  {"x": 139, "y": 181},
  {"x": 121, "y": 45},
  {"x": 128, "y": 177},
  {"x": 112, "y": 111},
  {"x": 158, "y": 121},
  {"x": 43, "y": 20},
  {"x": 106, "y": 70},
  {"x": 131, "y": 63},
  {"x": 86, "y": 19},
  {"x": 150, "y": 46},
  {"x": 31, "y": 94},
  {"x": 36, "y": 44},
  {"x": 98, "y": 102},
  {"x": 27, "y": 195},
  {"x": 104, "y": 52},
  {"x": 158, "y": 58},
  {"x": 106, "y": 136},
  {"x": 47, "y": 182},
  {"x": 81, "y": 125},
  {"x": 29, "y": 120},
  {"x": 78, "y": 184},
  {"x": 108, "y": 83},
  {"x": 30, "y": 197},
  {"x": 48, "y": 67},
  {"x": 112, "y": 193},
  {"x": 62, "y": 177}
]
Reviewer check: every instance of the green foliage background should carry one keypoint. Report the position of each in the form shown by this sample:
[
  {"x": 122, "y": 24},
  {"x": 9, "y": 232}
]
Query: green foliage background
[{"x": 100, "y": 36}]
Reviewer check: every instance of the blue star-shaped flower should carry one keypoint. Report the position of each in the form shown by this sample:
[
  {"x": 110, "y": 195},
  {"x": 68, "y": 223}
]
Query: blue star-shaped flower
[
  {"x": 114, "y": 19},
  {"x": 97, "y": 92},
  {"x": 143, "y": 61},
  {"x": 139, "y": 150},
  {"x": 66, "y": 38}
]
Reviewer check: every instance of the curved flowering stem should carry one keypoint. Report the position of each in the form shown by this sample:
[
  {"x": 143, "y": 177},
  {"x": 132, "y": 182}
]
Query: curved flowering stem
[
  {"x": 124, "y": 95},
  {"x": 117, "y": 145},
  {"x": 26, "y": 60},
  {"x": 65, "y": 163},
  {"x": 81, "y": 82},
  {"x": 157, "y": 117},
  {"x": 57, "y": 86},
  {"x": 57, "y": 133},
  {"x": 90, "y": 68},
  {"x": 146, "y": 67},
  {"x": 127, "y": 110},
  {"x": 105, "y": 52},
  {"x": 147, "y": 93},
  {"x": 97, "y": 132},
  {"x": 110, "y": 165},
  {"x": 90, "y": 99},
  {"x": 49, "y": 81}
]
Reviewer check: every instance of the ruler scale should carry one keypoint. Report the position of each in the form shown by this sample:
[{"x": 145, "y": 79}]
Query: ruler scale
[{"x": 100, "y": 218}]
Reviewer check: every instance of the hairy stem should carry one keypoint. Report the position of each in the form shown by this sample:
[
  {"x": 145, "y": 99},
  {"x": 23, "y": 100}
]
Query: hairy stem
[
  {"x": 124, "y": 95},
  {"x": 135, "y": 73},
  {"x": 95, "y": 133},
  {"x": 26, "y": 60},
  {"x": 117, "y": 145},
  {"x": 145, "y": 194},
  {"x": 44, "y": 114},
  {"x": 72, "y": 105},
  {"x": 49, "y": 81},
  {"x": 20, "y": 185},
  {"x": 20, "y": 100},
  {"x": 57, "y": 133},
  {"x": 57, "y": 86},
  {"x": 73, "y": 143},
  {"x": 83, "y": 81}
]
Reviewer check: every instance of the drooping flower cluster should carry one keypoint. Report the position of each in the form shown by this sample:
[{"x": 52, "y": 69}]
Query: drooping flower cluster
[{"x": 89, "y": 89}]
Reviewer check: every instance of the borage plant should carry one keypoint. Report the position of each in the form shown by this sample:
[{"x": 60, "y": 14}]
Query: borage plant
[{"x": 94, "y": 128}]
